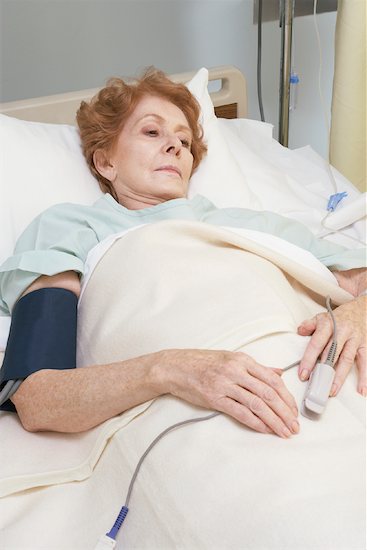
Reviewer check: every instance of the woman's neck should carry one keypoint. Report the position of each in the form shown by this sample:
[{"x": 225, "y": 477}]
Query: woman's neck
[{"x": 139, "y": 202}]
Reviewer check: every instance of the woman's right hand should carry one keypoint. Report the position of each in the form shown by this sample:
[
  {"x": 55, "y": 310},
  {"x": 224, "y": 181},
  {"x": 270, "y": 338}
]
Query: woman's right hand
[{"x": 235, "y": 384}]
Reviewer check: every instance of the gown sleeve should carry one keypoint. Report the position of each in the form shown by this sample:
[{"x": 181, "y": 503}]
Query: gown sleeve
[{"x": 57, "y": 240}]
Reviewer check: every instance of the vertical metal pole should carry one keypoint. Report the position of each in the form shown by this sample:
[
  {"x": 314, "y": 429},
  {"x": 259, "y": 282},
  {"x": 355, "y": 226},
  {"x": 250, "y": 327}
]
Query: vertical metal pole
[{"x": 286, "y": 20}]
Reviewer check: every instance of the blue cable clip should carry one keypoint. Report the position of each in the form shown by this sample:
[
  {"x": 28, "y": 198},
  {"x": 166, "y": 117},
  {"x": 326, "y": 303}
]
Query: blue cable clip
[
  {"x": 112, "y": 534},
  {"x": 334, "y": 200}
]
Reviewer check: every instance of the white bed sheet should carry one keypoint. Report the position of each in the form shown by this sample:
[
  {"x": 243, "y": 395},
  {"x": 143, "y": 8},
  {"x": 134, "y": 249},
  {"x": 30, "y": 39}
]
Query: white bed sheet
[
  {"x": 82, "y": 451},
  {"x": 214, "y": 486}
]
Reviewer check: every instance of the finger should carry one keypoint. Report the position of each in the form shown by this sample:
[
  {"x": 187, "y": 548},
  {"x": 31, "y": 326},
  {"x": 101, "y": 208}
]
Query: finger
[
  {"x": 243, "y": 415},
  {"x": 277, "y": 371},
  {"x": 361, "y": 361},
  {"x": 344, "y": 365},
  {"x": 265, "y": 402},
  {"x": 257, "y": 407},
  {"x": 269, "y": 377},
  {"x": 307, "y": 327},
  {"x": 344, "y": 334},
  {"x": 316, "y": 345},
  {"x": 267, "y": 415}
]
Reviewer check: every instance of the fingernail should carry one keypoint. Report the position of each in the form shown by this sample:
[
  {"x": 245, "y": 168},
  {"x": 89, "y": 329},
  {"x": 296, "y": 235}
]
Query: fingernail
[
  {"x": 363, "y": 391},
  {"x": 295, "y": 427},
  {"x": 304, "y": 375},
  {"x": 334, "y": 389},
  {"x": 286, "y": 432}
]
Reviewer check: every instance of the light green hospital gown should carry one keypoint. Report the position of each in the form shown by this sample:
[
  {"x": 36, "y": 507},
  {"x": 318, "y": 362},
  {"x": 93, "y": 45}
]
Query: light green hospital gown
[{"x": 60, "y": 238}]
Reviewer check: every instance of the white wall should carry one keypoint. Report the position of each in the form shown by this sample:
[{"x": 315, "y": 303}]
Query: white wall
[{"x": 51, "y": 46}]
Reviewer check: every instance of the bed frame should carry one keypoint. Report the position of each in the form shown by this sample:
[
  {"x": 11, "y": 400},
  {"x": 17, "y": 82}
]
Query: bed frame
[{"x": 230, "y": 101}]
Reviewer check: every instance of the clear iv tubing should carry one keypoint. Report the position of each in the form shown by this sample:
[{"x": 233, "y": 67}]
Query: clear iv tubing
[
  {"x": 324, "y": 110},
  {"x": 329, "y": 231}
]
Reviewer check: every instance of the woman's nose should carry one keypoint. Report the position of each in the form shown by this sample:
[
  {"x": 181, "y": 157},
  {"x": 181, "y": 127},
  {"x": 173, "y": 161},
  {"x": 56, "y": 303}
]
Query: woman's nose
[{"x": 173, "y": 145}]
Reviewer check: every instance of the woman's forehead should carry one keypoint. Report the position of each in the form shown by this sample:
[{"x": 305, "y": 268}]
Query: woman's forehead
[{"x": 158, "y": 108}]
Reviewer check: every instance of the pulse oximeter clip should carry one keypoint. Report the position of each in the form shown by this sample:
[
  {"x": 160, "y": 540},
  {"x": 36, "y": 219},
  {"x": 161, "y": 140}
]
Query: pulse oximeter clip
[{"x": 321, "y": 379}]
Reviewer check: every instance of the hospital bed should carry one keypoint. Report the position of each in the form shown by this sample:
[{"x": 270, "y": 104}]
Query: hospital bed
[{"x": 216, "y": 484}]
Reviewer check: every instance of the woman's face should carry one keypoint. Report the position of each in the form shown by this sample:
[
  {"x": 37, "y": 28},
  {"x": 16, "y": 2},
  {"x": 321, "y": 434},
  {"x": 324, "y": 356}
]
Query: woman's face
[{"x": 152, "y": 160}]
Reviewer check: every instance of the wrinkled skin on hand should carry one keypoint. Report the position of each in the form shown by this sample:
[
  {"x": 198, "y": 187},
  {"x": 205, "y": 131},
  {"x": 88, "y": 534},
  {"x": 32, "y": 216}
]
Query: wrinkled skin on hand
[
  {"x": 235, "y": 384},
  {"x": 351, "y": 339}
]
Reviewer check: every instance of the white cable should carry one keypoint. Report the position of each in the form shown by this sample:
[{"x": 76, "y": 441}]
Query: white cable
[{"x": 330, "y": 231}]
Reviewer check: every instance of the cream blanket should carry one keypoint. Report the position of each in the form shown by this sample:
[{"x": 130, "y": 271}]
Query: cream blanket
[{"x": 214, "y": 485}]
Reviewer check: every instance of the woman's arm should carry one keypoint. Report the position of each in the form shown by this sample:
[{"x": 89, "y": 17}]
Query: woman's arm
[
  {"x": 351, "y": 333},
  {"x": 353, "y": 281},
  {"x": 79, "y": 399},
  {"x": 75, "y": 400}
]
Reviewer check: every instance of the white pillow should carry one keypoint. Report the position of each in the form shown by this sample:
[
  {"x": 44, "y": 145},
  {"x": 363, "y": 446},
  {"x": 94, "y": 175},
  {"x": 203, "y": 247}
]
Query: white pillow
[
  {"x": 218, "y": 177},
  {"x": 42, "y": 164},
  {"x": 295, "y": 183}
]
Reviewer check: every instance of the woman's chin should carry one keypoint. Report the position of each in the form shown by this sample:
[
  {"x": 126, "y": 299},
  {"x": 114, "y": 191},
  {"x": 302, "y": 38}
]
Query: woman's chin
[
  {"x": 173, "y": 191},
  {"x": 182, "y": 194}
]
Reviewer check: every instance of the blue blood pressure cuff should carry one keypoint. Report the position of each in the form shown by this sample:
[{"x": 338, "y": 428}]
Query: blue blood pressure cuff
[{"x": 42, "y": 335}]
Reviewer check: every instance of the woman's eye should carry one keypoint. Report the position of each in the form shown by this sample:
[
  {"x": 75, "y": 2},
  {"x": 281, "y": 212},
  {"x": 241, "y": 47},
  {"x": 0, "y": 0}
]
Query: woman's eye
[
  {"x": 151, "y": 132},
  {"x": 185, "y": 143}
]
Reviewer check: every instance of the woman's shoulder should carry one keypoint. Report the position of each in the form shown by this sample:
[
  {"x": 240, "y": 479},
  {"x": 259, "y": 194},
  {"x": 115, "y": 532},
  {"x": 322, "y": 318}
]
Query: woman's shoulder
[
  {"x": 70, "y": 210},
  {"x": 65, "y": 216},
  {"x": 59, "y": 222}
]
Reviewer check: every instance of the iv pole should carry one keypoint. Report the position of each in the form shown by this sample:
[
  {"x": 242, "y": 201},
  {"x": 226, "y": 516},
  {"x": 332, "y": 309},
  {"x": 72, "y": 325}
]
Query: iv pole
[{"x": 286, "y": 21}]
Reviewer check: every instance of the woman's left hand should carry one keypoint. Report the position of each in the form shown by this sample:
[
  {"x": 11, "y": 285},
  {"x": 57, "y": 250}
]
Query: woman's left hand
[{"x": 350, "y": 321}]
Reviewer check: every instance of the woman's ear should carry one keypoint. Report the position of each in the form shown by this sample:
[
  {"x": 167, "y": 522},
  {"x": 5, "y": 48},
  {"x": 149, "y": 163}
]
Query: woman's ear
[{"x": 103, "y": 165}]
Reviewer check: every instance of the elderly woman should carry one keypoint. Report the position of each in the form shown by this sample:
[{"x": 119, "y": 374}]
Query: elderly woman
[{"x": 143, "y": 141}]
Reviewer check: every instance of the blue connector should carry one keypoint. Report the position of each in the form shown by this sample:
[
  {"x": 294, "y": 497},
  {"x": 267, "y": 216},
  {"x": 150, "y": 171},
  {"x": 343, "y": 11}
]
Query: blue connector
[
  {"x": 334, "y": 200},
  {"x": 119, "y": 521},
  {"x": 108, "y": 541}
]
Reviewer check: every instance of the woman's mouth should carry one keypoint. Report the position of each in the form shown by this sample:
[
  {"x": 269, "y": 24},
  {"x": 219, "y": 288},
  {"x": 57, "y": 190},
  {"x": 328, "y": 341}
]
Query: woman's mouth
[{"x": 171, "y": 169}]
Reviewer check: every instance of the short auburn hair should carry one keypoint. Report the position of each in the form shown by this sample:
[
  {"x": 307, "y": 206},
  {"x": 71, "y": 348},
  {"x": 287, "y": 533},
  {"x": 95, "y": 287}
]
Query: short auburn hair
[{"x": 101, "y": 120}]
